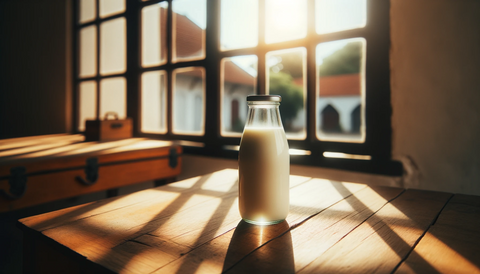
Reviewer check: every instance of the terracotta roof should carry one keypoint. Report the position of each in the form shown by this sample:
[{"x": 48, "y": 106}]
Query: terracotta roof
[
  {"x": 188, "y": 37},
  {"x": 340, "y": 85},
  {"x": 235, "y": 74}
]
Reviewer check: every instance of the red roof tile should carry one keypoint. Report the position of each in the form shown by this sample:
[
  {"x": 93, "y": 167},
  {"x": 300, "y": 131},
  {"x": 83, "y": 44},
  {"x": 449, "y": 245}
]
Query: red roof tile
[
  {"x": 340, "y": 85},
  {"x": 188, "y": 36},
  {"x": 235, "y": 74}
]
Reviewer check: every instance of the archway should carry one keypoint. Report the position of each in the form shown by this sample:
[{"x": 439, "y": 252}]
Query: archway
[
  {"x": 330, "y": 120},
  {"x": 355, "y": 120}
]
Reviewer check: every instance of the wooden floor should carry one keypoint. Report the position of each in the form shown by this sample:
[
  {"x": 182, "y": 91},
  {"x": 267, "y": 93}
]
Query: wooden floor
[{"x": 193, "y": 226}]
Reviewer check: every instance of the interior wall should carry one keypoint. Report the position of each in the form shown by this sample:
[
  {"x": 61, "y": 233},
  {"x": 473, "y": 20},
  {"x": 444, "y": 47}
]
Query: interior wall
[
  {"x": 35, "y": 72},
  {"x": 435, "y": 78}
]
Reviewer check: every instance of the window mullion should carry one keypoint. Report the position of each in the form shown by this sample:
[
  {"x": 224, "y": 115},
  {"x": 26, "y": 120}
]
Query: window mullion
[
  {"x": 311, "y": 79},
  {"x": 97, "y": 16},
  {"x": 132, "y": 16},
  {"x": 261, "y": 52},
  {"x": 212, "y": 67},
  {"x": 169, "y": 69}
]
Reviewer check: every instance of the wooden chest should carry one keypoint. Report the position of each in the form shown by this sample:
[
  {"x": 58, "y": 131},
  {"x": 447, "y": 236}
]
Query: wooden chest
[
  {"x": 40, "y": 169},
  {"x": 108, "y": 130}
]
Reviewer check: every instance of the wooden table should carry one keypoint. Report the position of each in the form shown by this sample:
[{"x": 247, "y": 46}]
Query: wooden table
[{"x": 193, "y": 226}]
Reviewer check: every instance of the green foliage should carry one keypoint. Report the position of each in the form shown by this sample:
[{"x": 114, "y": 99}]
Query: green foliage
[
  {"x": 292, "y": 97},
  {"x": 343, "y": 61},
  {"x": 238, "y": 126},
  {"x": 292, "y": 63}
]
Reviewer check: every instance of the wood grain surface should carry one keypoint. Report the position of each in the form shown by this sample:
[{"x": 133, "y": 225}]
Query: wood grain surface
[
  {"x": 193, "y": 226},
  {"x": 52, "y": 164}
]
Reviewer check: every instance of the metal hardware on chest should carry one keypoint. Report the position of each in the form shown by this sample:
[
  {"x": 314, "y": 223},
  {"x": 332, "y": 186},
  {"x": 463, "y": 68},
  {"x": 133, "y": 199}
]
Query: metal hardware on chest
[
  {"x": 116, "y": 125},
  {"x": 91, "y": 172},
  {"x": 173, "y": 157},
  {"x": 17, "y": 182}
]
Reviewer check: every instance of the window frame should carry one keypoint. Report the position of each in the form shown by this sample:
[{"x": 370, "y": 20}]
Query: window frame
[
  {"x": 378, "y": 111},
  {"x": 98, "y": 77}
]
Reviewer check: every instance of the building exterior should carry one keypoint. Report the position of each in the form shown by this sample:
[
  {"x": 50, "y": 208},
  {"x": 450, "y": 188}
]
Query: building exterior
[{"x": 339, "y": 105}]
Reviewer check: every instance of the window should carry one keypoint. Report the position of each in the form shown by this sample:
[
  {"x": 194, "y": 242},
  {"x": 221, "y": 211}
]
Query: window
[
  {"x": 182, "y": 70},
  {"x": 100, "y": 74}
]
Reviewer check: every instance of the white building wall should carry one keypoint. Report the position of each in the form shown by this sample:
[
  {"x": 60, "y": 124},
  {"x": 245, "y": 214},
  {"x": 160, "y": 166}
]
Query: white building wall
[
  {"x": 344, "y": 106},
  {"x": 189, "y": 114},
  {"x": 300, "y": 121},
  {"x": 239, "y": 93}
]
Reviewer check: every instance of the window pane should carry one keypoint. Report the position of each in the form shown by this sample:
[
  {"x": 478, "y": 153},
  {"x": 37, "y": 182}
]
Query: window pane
[
  {"x": 88, "y": 52},
  {"x": 87, "y": 100},
  {"x": 112, "y": 46},
  {"x": 189, "y": 101},
  {"x": 239, "y": 79},
  {"x": 285, "y": 20},
  {"x": 340, "y": 103},
  {"x": 337, "y": 15},
  {"x": 287, "y": 78},
  {"x": 113, "y": 97},
  {"x": 154, "y": 34},
  {"x": 189, "y": 23},
  {"x": 154, "y": 102},
  {"x": 239, "y": 24},
  {"x": 87, "y": 11},
  {"x": 111, "y": 7}
]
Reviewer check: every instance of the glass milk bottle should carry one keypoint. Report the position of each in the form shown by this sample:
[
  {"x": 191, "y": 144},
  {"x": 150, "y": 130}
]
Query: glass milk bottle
[{"x": 263, "y": 163}]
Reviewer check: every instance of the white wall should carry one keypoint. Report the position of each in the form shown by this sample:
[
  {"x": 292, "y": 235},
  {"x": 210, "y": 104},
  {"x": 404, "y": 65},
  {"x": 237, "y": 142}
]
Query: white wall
[
  {"x": 239, "y": 93},
  {"x": 188, "y": 105},
  {"x": 344, "y": 105}
]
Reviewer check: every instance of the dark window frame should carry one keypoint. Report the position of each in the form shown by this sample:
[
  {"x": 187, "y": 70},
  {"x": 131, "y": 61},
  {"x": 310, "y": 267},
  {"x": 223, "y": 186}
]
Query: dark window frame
[{"x": 378, "y": 139}]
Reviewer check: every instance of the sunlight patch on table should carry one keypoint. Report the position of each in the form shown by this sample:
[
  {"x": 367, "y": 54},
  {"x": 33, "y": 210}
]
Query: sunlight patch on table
[
  {"x": 185, "y": 184},
  {"x": 94, "y": 147},
  {"x": 183, "y": 221},
  {"x": 228, "y": 177},
  {"x": 30, "y": 149},
  {"x": 141, "y": 144},
  {"x": 440, "y": 256},
  {"x": 53, "y": 151}
]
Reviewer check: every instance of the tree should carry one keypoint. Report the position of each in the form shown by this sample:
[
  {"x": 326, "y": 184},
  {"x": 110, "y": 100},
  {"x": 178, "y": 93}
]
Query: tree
[
  {"x": 343, "y": 61},
  {"x": 292, "y": 97},
  {"x": 292, "y": 63}
]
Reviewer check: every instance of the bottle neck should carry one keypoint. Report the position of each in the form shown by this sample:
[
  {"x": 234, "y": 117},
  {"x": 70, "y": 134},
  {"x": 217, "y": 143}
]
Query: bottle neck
[{"x": 263, "y": 115}]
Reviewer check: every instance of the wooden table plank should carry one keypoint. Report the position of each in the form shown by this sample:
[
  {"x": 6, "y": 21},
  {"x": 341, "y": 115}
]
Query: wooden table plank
[
  {"x": 312, "y": 238},
  {"x": 67, "y": 215},
  {"x": 380, "y": 243},
  {"x": 62, "y": 156},
  {"x": 224, "y": 251},
  {"x": 194, "y": 226},
  {"x": 187, "y": 229},
  {"x": 100, "y": 233},
  {"x": 31, "y": 141},
  {"x": 451, "y": 245}
]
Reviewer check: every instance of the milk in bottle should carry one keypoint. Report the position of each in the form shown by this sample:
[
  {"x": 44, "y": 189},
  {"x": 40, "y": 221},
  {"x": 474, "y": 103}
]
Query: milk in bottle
[{"x": 263, "y": 163}]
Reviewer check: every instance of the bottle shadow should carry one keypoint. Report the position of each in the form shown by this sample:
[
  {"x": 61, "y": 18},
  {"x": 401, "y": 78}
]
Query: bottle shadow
[{"x": 260, "y": 249}]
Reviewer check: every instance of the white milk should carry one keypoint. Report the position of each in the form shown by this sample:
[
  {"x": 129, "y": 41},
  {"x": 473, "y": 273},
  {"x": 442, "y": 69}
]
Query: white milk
[{"x": 264, "y": 169}]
